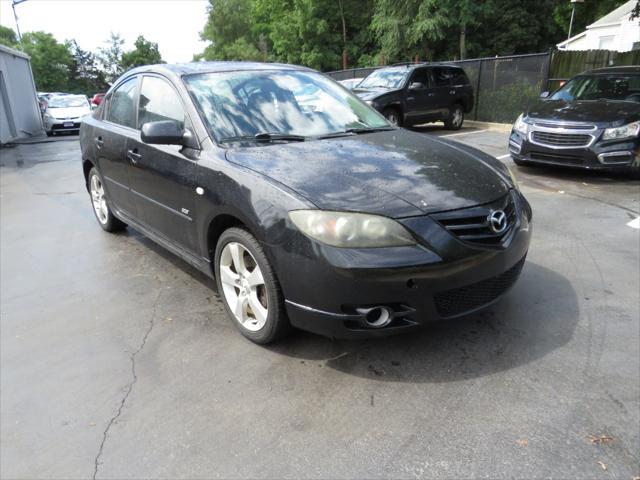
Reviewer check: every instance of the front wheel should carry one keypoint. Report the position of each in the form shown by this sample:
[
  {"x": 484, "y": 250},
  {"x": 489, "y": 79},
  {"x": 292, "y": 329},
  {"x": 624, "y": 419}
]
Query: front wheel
[
  {"x": 249, "y": 288},
  {"x": 456, "y": 118},
  {"x": 101, "y": 208},
  {"x": 393, "y": 116}
]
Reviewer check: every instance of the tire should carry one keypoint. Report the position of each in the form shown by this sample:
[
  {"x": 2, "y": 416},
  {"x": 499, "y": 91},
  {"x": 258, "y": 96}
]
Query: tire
[
  {"x": 393, "y": 116},
  {"x": 100, "y": 203},
  {"x": 456, "y": 118},
  {"x": 257, "y": 310}
]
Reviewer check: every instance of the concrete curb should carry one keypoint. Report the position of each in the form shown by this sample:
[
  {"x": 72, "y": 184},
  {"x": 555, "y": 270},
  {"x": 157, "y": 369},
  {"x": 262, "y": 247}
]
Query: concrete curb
[{"x": 496, "y": 127}]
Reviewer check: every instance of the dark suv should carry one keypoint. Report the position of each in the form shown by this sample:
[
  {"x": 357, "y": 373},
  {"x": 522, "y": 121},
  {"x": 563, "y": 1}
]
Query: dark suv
[{"x": 412, "y": 94}]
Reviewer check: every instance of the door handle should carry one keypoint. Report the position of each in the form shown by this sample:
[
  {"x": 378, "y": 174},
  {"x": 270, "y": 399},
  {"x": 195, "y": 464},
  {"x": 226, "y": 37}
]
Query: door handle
[
  {"x": 99, "y": 142},
  {"x": 133, "y": 155},
  {"x": 430, "y": 94},
  {"x": 452, "y": 92},
  {"x": 411, "y": 98}
]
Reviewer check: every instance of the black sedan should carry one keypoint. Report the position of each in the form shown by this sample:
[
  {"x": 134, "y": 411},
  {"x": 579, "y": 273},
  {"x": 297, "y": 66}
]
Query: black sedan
[
  {"x": 307, "y": 207},
  {"x": 592, "y": 122}
]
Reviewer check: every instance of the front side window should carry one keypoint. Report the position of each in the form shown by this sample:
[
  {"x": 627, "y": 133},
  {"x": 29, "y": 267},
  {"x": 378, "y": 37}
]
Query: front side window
[
  {"x": 421, "y": 75},
  {"x": 391, "y": 78},
  {"x": 600, "y": 87},
  {"x": 158, "y": 102},
  {"x": 122, "y": 105},
  {"x": 247, "y": 103}
]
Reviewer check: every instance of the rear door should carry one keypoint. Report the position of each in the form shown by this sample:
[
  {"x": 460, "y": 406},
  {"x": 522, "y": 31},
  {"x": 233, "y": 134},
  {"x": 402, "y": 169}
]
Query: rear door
[
  {"x": 442, "y": 90},
  {"x": 163, "y": 177},
  {"x": 110, "y": 136}
]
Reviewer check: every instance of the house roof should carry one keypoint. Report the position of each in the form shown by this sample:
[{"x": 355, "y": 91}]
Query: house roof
[
  {"x": 14, "y": 52},
  {"x": 615, "y": 16}
]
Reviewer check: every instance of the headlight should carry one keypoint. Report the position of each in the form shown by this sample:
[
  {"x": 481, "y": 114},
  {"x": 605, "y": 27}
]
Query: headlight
[
  {"x": 351, "y": 230},
  {"x": 521, "y": 126},
  {"x": 627, "y": 131}
]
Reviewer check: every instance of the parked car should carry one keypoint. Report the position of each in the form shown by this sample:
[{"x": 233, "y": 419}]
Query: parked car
[
  {"x": 413, "y": 94},
  {"x": 327, "y": 218},
  {"x": 350, "y": 83},
  {"x": 592, "y": 122},
  {"x": 97, "y": 98},
  {"x": 64, "y": 113}
]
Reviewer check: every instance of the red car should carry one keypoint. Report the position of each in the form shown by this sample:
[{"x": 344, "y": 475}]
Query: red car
[{"x": 97, "y": 98}]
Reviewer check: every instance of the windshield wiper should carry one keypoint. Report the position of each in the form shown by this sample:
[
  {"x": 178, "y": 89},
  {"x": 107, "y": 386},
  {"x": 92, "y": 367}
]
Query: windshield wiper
[
  {"x": 355, "y": 131},
  {"x": 265, "y": 137}
]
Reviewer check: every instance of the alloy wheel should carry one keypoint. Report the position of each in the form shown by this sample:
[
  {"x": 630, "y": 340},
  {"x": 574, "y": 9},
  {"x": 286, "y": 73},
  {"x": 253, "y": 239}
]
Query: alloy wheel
[
  {"x": 98, "y": 199},
  {"x": 243, "y": 286},
  {"x": 457, "y": 117}
]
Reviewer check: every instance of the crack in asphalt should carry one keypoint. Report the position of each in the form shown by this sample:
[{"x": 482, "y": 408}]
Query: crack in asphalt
[{"x": 132, "y": 359}]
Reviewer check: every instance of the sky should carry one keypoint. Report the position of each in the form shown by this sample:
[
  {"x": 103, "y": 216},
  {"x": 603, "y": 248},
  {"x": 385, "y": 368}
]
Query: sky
[{"x": 173, "y": 24}]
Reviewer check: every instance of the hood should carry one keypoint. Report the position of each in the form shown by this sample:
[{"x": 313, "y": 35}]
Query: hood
[
  {"x": 69, "y": 112},
  {"x": 396, "y": 173},
  {"x": 603, "y": 113},
  {"x": 370, "y": 94}
]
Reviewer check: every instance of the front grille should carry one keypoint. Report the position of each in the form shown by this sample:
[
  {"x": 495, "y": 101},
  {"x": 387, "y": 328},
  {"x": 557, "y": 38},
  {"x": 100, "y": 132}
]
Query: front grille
[
  {"x": 557, "y": 157},
  {"x": 561, "y": 139},
  {"x": 472, "y": 224},
  {"x": 572, "y": 126},
  {"x": 455, "y": 302}
]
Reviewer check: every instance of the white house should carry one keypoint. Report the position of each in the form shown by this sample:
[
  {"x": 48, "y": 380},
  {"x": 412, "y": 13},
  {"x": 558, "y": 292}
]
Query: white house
[
  {"x": 615, "y": 31},
  {"x": 19, "y": 111}
]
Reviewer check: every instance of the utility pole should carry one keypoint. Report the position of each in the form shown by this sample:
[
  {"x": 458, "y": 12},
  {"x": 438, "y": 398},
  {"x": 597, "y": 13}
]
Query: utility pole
[
  {"x": 13, "y": 5},
  {"x": 573, "y": 13}
]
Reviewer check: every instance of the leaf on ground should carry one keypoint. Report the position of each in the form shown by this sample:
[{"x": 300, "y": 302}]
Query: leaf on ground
[
  {"x": 522, "y": 442},
  {"x": 602, "y": 464},
  {"x": 598, "y": 439}
]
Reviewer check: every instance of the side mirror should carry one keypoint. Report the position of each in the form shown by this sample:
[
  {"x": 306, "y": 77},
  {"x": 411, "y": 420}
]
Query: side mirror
[
  {"x": 544, "y": 94},
  {"x": 165, "y": 132},
  {"x": 416, "y": 86}
]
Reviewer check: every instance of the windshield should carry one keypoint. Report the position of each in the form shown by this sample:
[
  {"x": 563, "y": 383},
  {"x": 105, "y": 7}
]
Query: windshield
[
  {"x": 600, "y": 87},
  {"x": 286, "y": 102},
  {"x": 68, "y": 101},
  {"x": 386, "y": 78}
]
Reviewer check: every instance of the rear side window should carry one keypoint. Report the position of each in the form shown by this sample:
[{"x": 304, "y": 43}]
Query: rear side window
[
  {"x": 458, "y": 77},
  {"x": 442, "y": 76},
  {"x": 122, "y": 107},
  {"x": 420, "y": 75},
  {"x": 159, "y": 102}
]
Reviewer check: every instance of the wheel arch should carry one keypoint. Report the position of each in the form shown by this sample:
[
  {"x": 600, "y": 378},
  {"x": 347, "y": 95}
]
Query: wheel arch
[{"x": 87, "y": 165}]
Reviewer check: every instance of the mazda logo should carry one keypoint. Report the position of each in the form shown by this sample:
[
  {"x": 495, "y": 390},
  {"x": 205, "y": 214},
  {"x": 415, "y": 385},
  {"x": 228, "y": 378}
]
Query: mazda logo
[{"x": 498, "y": 221}]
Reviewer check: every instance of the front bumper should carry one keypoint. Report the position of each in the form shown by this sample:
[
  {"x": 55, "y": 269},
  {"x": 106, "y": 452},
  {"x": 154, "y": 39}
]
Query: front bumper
[
  {"x": 62, "y": 125},
  {"x": 325, "y": 287},
  {"x": 600, "y": 155}
]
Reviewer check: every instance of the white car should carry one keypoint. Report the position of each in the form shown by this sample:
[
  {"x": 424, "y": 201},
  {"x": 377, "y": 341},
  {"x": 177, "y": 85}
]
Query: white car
[{"x": 64, "y": 113}]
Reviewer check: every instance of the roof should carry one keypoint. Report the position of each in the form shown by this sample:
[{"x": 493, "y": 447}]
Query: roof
[
  {"x": 615, "y": 16},
  {"x": 14, "y": 52},
  {"x": 210, "y": 67},
  {"x": 635, "y": 69}
]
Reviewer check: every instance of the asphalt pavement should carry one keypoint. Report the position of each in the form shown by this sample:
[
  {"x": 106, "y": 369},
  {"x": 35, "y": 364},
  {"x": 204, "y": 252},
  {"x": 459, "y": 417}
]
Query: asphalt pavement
[{"x": 117, "y": 359}]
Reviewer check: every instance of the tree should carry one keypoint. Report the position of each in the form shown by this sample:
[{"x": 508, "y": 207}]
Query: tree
[
  {"x": 110, "y": 57},
  {"x": 144, "y": 53},
  {"x": 85, "y": 75},
  {"x": 8, "y": 37},
  {"x": 50, "y": 60}
]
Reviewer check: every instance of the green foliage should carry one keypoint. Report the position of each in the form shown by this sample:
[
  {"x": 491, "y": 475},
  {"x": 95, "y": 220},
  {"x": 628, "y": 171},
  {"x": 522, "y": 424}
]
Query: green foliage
[
  {"x": 110, "y": 57},
  {"x": 8, "y": 37},
  {"x": 144, "y": 53},
  {"x": 50, "y": 61},
  {"x": 85, "y": 75}
]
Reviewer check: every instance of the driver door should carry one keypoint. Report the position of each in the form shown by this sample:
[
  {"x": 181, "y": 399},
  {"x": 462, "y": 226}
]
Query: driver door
[{"x": 420, "y": 98}]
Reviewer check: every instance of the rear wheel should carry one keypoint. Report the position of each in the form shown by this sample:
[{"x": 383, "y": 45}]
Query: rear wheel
[
  {"x": 456, "y": 118},
  {"x": 393, "y": 116},
  {"x": 100, "y": 204},
  {"x": 249, "y": 288}
]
